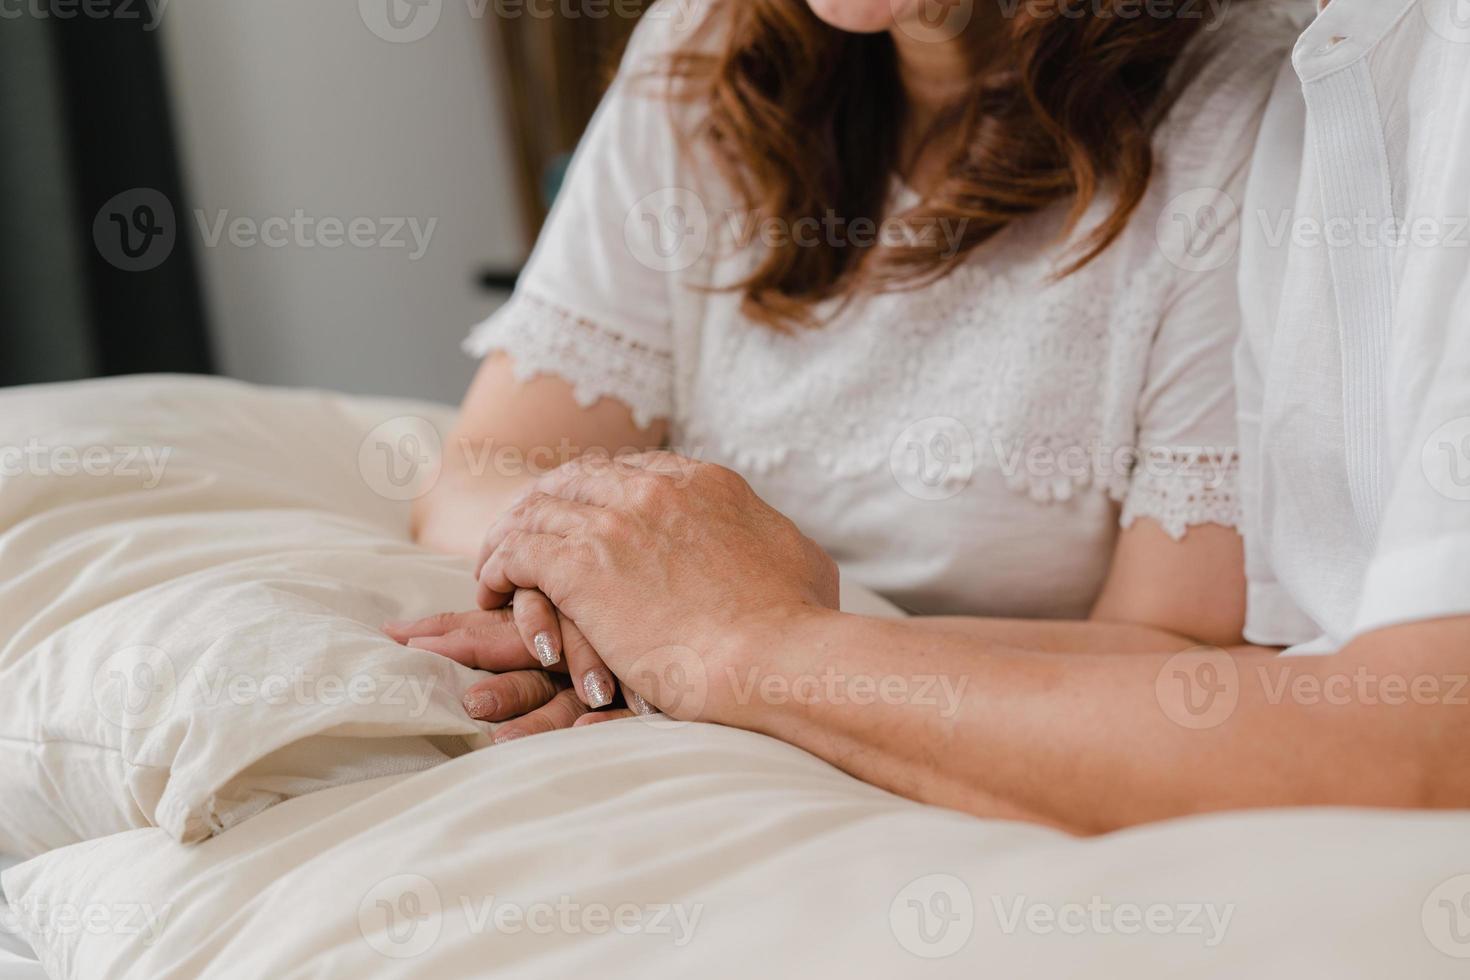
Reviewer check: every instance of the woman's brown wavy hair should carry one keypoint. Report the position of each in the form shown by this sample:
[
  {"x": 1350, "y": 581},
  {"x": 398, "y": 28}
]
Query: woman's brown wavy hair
[{"x": 805, "y": 120}]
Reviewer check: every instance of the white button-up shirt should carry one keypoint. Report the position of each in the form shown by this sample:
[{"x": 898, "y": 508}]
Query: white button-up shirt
[{"x": 1354, "y": 361}]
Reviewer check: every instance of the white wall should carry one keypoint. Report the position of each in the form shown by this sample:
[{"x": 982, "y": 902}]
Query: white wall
[{"x": 287, "y": 105}]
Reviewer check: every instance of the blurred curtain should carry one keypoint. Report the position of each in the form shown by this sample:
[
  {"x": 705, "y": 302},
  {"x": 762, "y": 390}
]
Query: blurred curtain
[
  {"x": 95, "y": 277},
  {"x": 557, "y": 66}
]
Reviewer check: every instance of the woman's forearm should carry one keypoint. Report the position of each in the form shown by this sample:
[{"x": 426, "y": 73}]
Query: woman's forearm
[
  {"x": 511, "y": 432},
  {"x": 1089, "y": 741},
  {"x": 453, "y": 516}
]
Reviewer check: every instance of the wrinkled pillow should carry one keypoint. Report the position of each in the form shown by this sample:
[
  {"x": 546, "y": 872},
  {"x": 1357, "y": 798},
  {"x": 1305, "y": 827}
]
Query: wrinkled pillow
[{"x": 194, "y": 576}]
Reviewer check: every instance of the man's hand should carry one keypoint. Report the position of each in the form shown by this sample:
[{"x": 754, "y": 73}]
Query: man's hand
[{"x": 659, "y": 560}]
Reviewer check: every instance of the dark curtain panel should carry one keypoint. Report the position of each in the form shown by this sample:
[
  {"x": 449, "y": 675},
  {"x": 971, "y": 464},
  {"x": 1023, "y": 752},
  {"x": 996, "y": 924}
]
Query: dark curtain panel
[{"x": 95, "y": 276}]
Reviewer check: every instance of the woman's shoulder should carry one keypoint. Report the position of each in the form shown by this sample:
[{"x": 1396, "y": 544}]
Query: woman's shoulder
[
  {"x": 1222, "y": 83},
  {"x": 651, "y": 84},
  {"x": 672, "y": 27}
]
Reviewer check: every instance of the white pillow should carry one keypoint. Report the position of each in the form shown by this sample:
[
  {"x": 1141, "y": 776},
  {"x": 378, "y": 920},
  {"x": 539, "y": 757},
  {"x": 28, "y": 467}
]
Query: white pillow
[
  {"x": 195, "y": 572},
  {"x": 645, "y": 848}
]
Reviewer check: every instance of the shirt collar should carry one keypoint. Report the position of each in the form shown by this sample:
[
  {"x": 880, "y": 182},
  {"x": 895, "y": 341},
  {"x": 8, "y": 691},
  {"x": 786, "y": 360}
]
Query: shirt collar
[{"x": 1343, "y": 32}]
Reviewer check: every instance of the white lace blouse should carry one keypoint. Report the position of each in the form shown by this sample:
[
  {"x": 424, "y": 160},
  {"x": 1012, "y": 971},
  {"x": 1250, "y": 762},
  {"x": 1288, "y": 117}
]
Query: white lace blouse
[{"x": 968, "y": 447}]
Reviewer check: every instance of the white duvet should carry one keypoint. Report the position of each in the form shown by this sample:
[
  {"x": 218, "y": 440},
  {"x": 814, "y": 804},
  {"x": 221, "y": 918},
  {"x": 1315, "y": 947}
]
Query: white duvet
[
  {"x": 640, "y": 846},
  {"x": 194, "y": 573}
]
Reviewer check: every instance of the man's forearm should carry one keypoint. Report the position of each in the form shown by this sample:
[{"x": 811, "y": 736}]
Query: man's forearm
[
  {"x": 1053, "y": 635},
  {"x": 1088, "y": 741}
]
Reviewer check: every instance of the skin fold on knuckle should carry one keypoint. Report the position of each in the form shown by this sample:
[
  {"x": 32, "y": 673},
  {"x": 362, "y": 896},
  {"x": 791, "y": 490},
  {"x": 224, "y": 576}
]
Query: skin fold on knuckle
[
  {"x": 528, "y": 690},
  {"x": 533, "y": 611},
  {"x": 568, "y": 709},
  {"x": 436, "y": 625},
  {"x": 494, "y": 575}
]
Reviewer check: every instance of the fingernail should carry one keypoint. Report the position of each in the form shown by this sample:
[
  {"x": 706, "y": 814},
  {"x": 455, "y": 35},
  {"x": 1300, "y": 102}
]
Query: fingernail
[
  {"x": 545, "y": 650},
  {"x": 597, "y": 689},
  {"x": 423, "y": 643},
  {"x": 481, "y": 704},
  {"x": 639, "y": 705},
  {"x": 506, "y": 736}
]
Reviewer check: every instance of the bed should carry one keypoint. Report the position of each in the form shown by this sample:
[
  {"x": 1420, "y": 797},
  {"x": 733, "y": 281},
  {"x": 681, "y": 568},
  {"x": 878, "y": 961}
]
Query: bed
[
  {"x": 183, "y": 816},
  {"x": 17, "y": 960}
]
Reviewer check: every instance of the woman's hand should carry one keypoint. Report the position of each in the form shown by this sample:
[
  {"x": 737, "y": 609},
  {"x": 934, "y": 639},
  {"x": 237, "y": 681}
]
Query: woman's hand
[
  {"x": 661, "y": 561},
  {"x": 514, "y": 643}
]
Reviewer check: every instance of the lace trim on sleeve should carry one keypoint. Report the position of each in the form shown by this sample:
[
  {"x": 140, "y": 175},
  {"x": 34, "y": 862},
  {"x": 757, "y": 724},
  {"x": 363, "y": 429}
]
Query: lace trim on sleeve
[
  {"x": 1182, "y": 488},
  {"x": 543, "y": 338}
]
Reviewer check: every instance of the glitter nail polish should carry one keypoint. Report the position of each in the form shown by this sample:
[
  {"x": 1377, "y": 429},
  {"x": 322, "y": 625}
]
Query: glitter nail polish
[
  {"x": 596, "y": 689},
  {"x": 545, "y": 652},
  {"x": 481, "y": 704}
]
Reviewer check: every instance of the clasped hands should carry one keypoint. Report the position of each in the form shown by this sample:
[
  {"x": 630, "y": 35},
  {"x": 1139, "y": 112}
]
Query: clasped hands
[{"x": 622, "y": 585}]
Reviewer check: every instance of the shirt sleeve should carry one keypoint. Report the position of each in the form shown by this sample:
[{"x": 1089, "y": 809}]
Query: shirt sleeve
[
  {"x": 1421, "y": 560},
  {"x": 1187, "y": 468},
  {"x": 1272, "y": 617},
  {"x": 593, "y": 305},
  {"x": 1188, "y": 463}
]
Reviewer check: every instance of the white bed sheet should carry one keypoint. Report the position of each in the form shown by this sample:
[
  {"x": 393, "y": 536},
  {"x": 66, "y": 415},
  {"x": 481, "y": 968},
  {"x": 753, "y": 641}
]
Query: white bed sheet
[
  {"x": 737, "y": 854},
  {"x": 14, "y": 966},
  {"x": 17, "y": 962}
]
